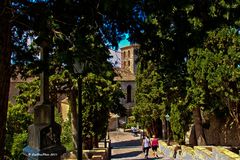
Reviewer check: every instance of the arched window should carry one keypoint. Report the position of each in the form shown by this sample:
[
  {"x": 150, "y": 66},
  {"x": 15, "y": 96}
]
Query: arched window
[{"x": 129, "y": 92}]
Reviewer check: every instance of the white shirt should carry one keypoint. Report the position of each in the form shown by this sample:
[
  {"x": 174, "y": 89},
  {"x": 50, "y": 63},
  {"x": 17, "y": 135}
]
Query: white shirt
[{"x": 146, "y": 142}]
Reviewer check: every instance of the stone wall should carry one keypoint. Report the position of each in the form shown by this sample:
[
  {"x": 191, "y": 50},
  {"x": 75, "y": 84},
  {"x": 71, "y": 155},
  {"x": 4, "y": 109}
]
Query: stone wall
[
  {"x": 222, "y": 132},
  {"x": 112, "y": 124}
]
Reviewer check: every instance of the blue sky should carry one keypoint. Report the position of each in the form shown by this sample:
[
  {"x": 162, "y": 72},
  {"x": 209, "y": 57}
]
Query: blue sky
[{"x": 124, "y": 42}]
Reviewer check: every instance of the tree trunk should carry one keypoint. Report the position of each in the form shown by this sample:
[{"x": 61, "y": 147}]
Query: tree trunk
[
  {"x": 200, "y": 137},
  {"x": 88, "y": 142},
  {"x": 164, "y": 129},
  {"x": 73, "y": 105},
  {"x": 5, "y": 54},
  {"x": 156, "y": 128},
  {"x": 95, "y": 141}
]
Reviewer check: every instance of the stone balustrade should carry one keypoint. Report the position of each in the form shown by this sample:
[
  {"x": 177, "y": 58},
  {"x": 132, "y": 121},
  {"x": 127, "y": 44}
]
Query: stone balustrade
[
  {"x": 186, "y": 153},
  {"x": 165, "y": 149},
  {"x": 222, "y": 153},
  {"x": 197, "y": 153},
  {"x": 94, "y": 154},
  {"x": 97, "y": 157},
  {"x": 203, "y": 153}
]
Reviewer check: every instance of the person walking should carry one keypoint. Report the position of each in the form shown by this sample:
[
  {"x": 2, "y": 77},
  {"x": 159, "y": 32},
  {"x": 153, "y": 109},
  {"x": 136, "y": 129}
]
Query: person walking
[
  {"x": 134, "y": 131},
  {"x": 154, "y": 144},
  {"x": 146, "y": 145}
]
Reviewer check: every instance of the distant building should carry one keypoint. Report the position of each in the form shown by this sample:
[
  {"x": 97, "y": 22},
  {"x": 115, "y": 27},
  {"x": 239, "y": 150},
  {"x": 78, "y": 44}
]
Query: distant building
[
  {"x": 126, "y": 75},
  {"x": 13, "y": 90}
]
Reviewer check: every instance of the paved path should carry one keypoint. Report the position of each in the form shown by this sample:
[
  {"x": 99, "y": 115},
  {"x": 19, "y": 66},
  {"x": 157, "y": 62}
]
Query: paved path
[{"x": 128, "y": 147}]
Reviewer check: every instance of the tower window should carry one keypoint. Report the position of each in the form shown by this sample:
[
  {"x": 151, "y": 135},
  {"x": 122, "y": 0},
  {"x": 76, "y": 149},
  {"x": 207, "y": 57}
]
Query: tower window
[
  {"x": 129, "y": 92},
  {"x": 128, "y": 54},
  {"x": 128, "y": 63}
]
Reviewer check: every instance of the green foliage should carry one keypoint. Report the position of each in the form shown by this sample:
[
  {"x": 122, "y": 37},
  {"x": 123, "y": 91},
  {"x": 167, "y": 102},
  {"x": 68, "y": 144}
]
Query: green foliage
[
  {"x": 100, "y": 96},
  {"x": 131, "y": 122},
  {"x": 29, "y": 93},
  {"x": 17, "y": 126},
  {"x": 165, "y": 37},
  {"x": 180, "y": 120},
  {"x": 196, "y": 60},
  {"x": 18, "y": 119},
  {"x": 149, "y": 97},
  {"x": 83, "y": 26},
  {"x": 130, "y": 125},
  {"x": 66, "y": 136},
  {"x": 214, "y": 72},
  {"x": 58, "y": 118},
  {"x": 193, "y": 40},
  {"x": 19, "y": 142}
]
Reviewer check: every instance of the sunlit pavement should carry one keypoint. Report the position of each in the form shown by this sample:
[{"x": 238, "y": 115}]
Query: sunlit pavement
[{"x": 128, "y": 147}]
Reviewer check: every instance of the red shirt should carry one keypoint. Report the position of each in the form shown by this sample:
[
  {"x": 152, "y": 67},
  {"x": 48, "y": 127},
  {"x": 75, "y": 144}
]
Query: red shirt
[{"x": 155, "y": 142}]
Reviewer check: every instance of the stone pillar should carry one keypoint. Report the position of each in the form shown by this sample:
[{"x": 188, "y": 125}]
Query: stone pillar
[{"x": 44, "y": 134}]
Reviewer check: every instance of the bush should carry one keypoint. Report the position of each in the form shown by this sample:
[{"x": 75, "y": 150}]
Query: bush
[
  {"x": 180, "y": 119},
  {"x": 18, "y": 121},
  {"x": 130, "y": 124},
  {"x": 19, "y": 142},
  {"x": 66, "y": 136}
]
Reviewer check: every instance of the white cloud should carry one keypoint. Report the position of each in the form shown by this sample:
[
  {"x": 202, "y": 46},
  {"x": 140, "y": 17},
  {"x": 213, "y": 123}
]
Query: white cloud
[{"x": 116, "y": 58}]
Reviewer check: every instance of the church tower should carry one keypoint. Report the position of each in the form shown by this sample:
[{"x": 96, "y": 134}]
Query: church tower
[
  {"x": 126, "y": 76},
  {"x": 128, "y": 57}
]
